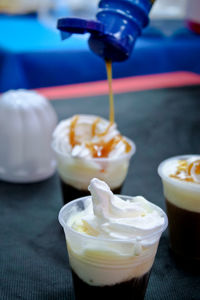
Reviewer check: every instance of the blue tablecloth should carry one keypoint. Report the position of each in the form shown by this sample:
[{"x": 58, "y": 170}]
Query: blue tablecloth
[{"x": 32, "y": 54}]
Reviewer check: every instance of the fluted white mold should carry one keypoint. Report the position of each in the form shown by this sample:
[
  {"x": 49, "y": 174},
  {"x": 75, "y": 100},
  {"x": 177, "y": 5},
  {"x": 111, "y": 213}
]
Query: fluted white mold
[{"x": 27, "y": 121}]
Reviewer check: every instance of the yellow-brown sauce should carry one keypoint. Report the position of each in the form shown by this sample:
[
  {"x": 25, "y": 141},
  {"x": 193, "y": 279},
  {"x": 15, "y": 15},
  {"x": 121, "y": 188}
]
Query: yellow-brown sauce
[
  {"x": 185, "y": 168},
  {"x": 101, "y": 149}
]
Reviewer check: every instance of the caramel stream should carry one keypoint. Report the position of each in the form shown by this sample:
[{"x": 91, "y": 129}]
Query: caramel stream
[
  {"x": 111, "y": 98},
  {"x": 101, "y": 149}
]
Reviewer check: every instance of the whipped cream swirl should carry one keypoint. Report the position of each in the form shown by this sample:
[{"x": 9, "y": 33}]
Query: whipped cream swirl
[
  {"x": 109, "y": 216},
  {"x": 84, "y": 135},
  {"x": 111, "y": 239},
  {"x": 86, "y": 147}
]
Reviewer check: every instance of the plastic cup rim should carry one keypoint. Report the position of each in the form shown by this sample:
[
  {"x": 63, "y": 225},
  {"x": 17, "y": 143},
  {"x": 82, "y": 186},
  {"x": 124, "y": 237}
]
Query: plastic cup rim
[
  {"x": 174, "y": 181},
  {"x": 145, "y": 237},
  {"x": 99, "y": 159}
]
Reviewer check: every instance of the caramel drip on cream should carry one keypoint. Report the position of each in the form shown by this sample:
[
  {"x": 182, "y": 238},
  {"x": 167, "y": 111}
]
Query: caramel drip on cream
[
  {"x": 101, "y": 134},
  {"x": 128, "y": 146},
  {"x": 102, "y": 149},
  {"x": 184, "y": 168},
  {"x": 105, "y": 132},
  {"x": 94, "y": 126},
  {"x": 72, "y": 135},
  {"x": 197, "y": 168}
]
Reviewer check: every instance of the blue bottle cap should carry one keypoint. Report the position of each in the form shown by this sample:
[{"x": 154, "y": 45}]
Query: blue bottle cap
[
  {"x": 113, "y": 34},
  {"x": 81, "y": 26},
  {"x": 100, "y": 42}
]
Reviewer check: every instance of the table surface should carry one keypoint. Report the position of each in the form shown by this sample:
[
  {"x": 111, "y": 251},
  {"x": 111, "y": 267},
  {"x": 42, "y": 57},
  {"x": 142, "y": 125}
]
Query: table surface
[
  {"x": 33, "y": 257},
  {"x": 32, "y": 54}
]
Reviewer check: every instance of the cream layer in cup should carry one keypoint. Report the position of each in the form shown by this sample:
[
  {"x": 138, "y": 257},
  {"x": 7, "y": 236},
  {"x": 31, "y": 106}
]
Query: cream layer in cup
[
  {"x": 181, "y": 185},
  {"x": 111, "y": 239},
  {"x": 181, "y": 181},
  {"x": 87, "y": 146}
]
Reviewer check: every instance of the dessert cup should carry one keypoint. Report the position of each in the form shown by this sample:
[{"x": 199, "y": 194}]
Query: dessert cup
[
  {"x": 75, "y": 173},
  {"x": 183, "y": 210},
  {"x": 104, "y": 268}
]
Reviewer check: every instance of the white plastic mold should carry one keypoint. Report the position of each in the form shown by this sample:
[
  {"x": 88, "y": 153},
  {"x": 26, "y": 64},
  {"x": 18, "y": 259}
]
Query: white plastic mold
[{"x": 27, "y": 121}]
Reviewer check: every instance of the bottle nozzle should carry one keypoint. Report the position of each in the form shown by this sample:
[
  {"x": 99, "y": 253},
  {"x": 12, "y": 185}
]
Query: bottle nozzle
[{"x": 116, "y": 29}]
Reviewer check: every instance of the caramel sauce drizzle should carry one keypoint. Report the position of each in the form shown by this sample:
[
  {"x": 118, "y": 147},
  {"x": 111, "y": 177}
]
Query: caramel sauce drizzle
[
  {"x": 128, "y": 146},
  {"x": 111, "y": 98},
  {"x": 72, "y": 135},
  {"x": 197, "y": 169},
  {"x": 106, "y": 131},
  {"x": 101, "y": 149},
  {"x": 94, "y": 126},
  {"x": 183, "y": 166}
]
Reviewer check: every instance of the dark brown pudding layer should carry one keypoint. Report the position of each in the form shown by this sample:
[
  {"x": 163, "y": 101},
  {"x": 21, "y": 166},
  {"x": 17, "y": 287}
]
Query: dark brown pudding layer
[
  {"x": 133, "y": 289},
  {"x": 184, "y": 229},
  {"x": 71, "y": 193}
]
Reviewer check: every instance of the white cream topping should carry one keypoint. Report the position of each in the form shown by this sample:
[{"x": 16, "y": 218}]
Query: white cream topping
[
  {"x": 116, "y": 239},
  {"x": 76, "y": 165},
  {"x": 109, "y": 216},
  {"x": 182, "y": 193},
  {"x": 83, "y": 132},
  {"x": 170, "y": 167}
]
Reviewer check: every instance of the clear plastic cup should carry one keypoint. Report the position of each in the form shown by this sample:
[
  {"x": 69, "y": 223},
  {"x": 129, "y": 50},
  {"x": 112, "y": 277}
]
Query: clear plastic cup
[
  {"x": 183, "y": 210},
  {"x": 76, "y": 173},
  {"x": 105, "y": 268}
]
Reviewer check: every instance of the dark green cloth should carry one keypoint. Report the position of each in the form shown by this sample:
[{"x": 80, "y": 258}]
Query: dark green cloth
[{"x": 33, "y": 257}]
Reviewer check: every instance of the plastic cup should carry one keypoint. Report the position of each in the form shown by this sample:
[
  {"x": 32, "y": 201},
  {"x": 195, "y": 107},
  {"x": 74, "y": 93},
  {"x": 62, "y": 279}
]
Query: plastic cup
[
  {"x": 107, "y": 268},
  {"x": 183, "y": 210},
  {"x": 76, "y": 173}
]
